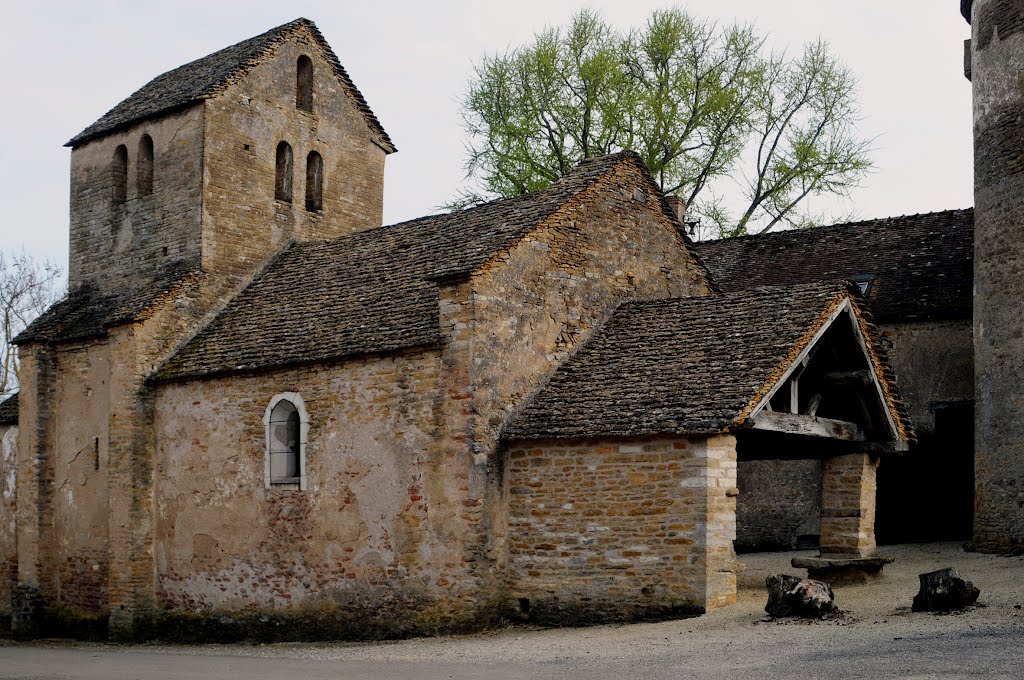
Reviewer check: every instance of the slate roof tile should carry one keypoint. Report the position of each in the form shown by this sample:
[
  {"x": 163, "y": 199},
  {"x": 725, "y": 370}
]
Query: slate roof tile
[
  {"x": 688, "y": 365},
  {"x": 205, "y": 77},
  {"x": 924, "y": 263}
]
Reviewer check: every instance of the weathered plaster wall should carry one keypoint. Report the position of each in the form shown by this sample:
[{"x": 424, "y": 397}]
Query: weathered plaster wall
[
  {"x": 779, "y": 501},
  {"x": 242, "y": 221},
  {"x": 933, "y": 362},
  {"x": 119, "y": 246},
  {"x": 80, "y": 504},
  {"x": 379, "y": 528},
  {"x": 997, "y": 62},
  {"x": 608, "y": 530},
  {"x": 8, "y": 526}
]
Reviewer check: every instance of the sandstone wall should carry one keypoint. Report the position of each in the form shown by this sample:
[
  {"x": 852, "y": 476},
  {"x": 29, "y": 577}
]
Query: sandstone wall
[
  {"x": 8, "y": 526},
  {"x": 602, "y": 531},
  {"x": 242, "y": 221},
  {"x": 378, "y": 530},
  {"x": 119, "y": 246},
  {"x": 997, "y": 61},
  {"x": 779, "y": 501}
]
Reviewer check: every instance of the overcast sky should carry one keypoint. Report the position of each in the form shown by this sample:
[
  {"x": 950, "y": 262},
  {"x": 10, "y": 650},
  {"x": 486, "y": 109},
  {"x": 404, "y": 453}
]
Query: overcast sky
[{"x": 66, "y": 62}]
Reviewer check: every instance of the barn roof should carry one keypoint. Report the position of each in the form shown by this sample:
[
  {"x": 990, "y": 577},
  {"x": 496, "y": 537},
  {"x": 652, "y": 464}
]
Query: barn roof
[
  {"x": 691, "y": 365},
  {"x": 919, "y": 267},
  {"x": 370, "y": 292},
  {"x": 205, "y": 77}
]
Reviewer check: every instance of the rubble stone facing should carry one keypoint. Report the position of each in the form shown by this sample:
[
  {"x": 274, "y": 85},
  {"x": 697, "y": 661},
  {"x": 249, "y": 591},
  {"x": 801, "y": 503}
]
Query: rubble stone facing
[
  {"x": 8, "y": 508},
  {"x": 998, "y": 60},
  {"x": 606, "y": 530},
  {"x": 848, "y": 493},
  {"x": 779, "y": 501}
]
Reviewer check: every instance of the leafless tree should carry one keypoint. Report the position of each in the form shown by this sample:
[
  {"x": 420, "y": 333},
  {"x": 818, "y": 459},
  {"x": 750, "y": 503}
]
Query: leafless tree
[{"x": 27, "y": 287}]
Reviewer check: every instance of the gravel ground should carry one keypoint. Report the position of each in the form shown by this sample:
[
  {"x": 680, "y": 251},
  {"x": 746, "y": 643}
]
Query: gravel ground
[{"x": 880, "y": 637}]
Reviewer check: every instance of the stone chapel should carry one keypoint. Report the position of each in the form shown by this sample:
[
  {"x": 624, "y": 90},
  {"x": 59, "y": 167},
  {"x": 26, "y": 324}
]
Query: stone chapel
[{"x": 259, "y": 413}]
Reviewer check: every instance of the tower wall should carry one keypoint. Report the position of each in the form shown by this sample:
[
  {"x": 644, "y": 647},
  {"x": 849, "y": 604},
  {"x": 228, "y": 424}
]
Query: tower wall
[{"x": 997, "y": 70}]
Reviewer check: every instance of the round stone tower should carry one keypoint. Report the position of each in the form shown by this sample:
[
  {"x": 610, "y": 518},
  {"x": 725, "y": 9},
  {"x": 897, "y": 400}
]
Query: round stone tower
[{"x": 996, "y": 68}]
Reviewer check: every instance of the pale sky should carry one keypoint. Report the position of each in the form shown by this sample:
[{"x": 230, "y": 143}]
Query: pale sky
[{"x": 68, "y": 61}]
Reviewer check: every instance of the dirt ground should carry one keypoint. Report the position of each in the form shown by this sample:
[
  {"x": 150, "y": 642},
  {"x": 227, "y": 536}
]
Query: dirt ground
[{"x": 880, "y": 637}]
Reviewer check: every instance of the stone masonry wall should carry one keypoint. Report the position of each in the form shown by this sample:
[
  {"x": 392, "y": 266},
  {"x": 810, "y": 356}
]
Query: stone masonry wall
[
  {"x": 779, "y": 501},
  {"x": 613, "y": 530},
  {"x": 848, "y": 505},
  {"x": 997, "y": 62},
  {"x": 8, "y": 526},
  {"x": 933, "y": 361},
  {"x": 242, "y": 221},
  {"x": 379, "y": 531},
  {"x": 114, "y": 247}
]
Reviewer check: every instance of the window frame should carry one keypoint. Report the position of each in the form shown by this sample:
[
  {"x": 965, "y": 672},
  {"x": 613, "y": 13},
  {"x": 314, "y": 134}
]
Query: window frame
[
  {"x": 304, "y": 83},
  {"x": 296, "y": 401},
  {"x": 314, "y": 182},
  {"x": 144, "y": 162},
  {"x": 119, "y": 176}
]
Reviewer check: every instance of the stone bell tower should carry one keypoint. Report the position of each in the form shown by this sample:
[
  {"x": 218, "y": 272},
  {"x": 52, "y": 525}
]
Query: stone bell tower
[{"x": 995, "y": 65}]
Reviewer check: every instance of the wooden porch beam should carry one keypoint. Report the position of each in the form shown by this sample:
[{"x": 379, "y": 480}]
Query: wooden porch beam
[{"x": 810, "y": 426}]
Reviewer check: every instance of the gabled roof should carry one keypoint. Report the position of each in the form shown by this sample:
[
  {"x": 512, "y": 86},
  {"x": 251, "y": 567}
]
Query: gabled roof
[
  {"x": 692, "y": 365},
  {"x": 373, "y": 291},
  {"x": 206, "y": 77},
  {"x": 9, "y": 410},
  {"x": 86, "y": 313},
  {"x": 923, "y": 264}
]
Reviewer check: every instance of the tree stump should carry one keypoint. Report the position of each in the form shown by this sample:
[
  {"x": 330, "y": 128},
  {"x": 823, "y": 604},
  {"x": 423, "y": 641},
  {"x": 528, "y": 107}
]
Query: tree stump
[
  {"x": 792, "y": 596},
  {"x": 943, "y": 591}
]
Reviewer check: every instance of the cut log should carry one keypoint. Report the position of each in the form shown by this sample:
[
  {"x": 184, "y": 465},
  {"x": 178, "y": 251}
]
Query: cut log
[
  {"x": 943, "y": 591},
  {"x": 793, "y": 596}
]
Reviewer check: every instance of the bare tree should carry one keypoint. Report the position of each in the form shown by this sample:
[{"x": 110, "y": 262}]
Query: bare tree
[{"x": 27, "y": 288}]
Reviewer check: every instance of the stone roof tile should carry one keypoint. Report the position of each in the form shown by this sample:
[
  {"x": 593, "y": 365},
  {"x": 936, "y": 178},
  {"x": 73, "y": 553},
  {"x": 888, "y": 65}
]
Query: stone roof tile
[
  {"x": 369, "y": 292},
  {"x": 205, "y": 77},
  {"x": 9, "y": 410},
  {"x": 691, "y": 365},
  {"x": 923, "y": 263}
]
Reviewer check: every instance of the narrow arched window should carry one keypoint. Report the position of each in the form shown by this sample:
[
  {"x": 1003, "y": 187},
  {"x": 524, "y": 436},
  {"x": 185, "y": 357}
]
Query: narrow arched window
[
  {"x": 144, "y": 169},
  {"x": 314, "y": 181},
  {"x": 304, "y": 84},
  {"x": 283, "y": 173},
  {"x": 286, "y": 425},
  {"x": 119, "y": 175}
]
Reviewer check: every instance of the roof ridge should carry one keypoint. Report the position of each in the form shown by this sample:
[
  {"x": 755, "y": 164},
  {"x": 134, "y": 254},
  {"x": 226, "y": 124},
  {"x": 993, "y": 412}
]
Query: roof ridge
[{"x": 840, "y": 225}]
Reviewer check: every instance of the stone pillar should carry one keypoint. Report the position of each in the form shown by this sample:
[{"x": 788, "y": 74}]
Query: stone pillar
[
  {"x": 997, "y": 62},
  {"x": 720, "y": 522},
  {"x": 848, "y": 506}
]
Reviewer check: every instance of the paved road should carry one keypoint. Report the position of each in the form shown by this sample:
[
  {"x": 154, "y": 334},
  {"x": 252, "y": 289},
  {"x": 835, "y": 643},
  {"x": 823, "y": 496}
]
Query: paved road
[{"x": 768, "y": 653}]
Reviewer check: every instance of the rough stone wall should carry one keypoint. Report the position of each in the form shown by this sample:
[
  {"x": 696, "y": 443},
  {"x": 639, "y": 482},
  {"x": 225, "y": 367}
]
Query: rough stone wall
[
  {"x": 933, "y": 362},
  {"x": 119, "y": 246},
  {"x": 8, "y": 527},
  {"x": 379, "y": 528},
  {"x": 779, "y": 501},
  {"x": 997, "y": 62},
  {"x": 611, "y": 530},
  {"x": 242, "y": 221}
]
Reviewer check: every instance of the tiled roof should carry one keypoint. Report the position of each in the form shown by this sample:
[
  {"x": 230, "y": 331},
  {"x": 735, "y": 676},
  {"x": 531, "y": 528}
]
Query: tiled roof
[
  {"x": 206, "y": 77},
  {"x": 86, "y": 313},
  {"x": 923, "y": 263},
  {"x": 370, "y": 292},
  {"x": 692, "y": 365},
  {"x": 9, "y": 410}
]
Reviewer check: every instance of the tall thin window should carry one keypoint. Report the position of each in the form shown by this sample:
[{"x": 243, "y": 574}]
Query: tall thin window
[
  {"x": 304, "y": 84},
  {"x": 287, "y": 425},
  {"x": 119, "y": 175},
  {"x": 144, "y": 170},
  {"x": 314, "y": 181},
  {"x": 283, "y": 173}
]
